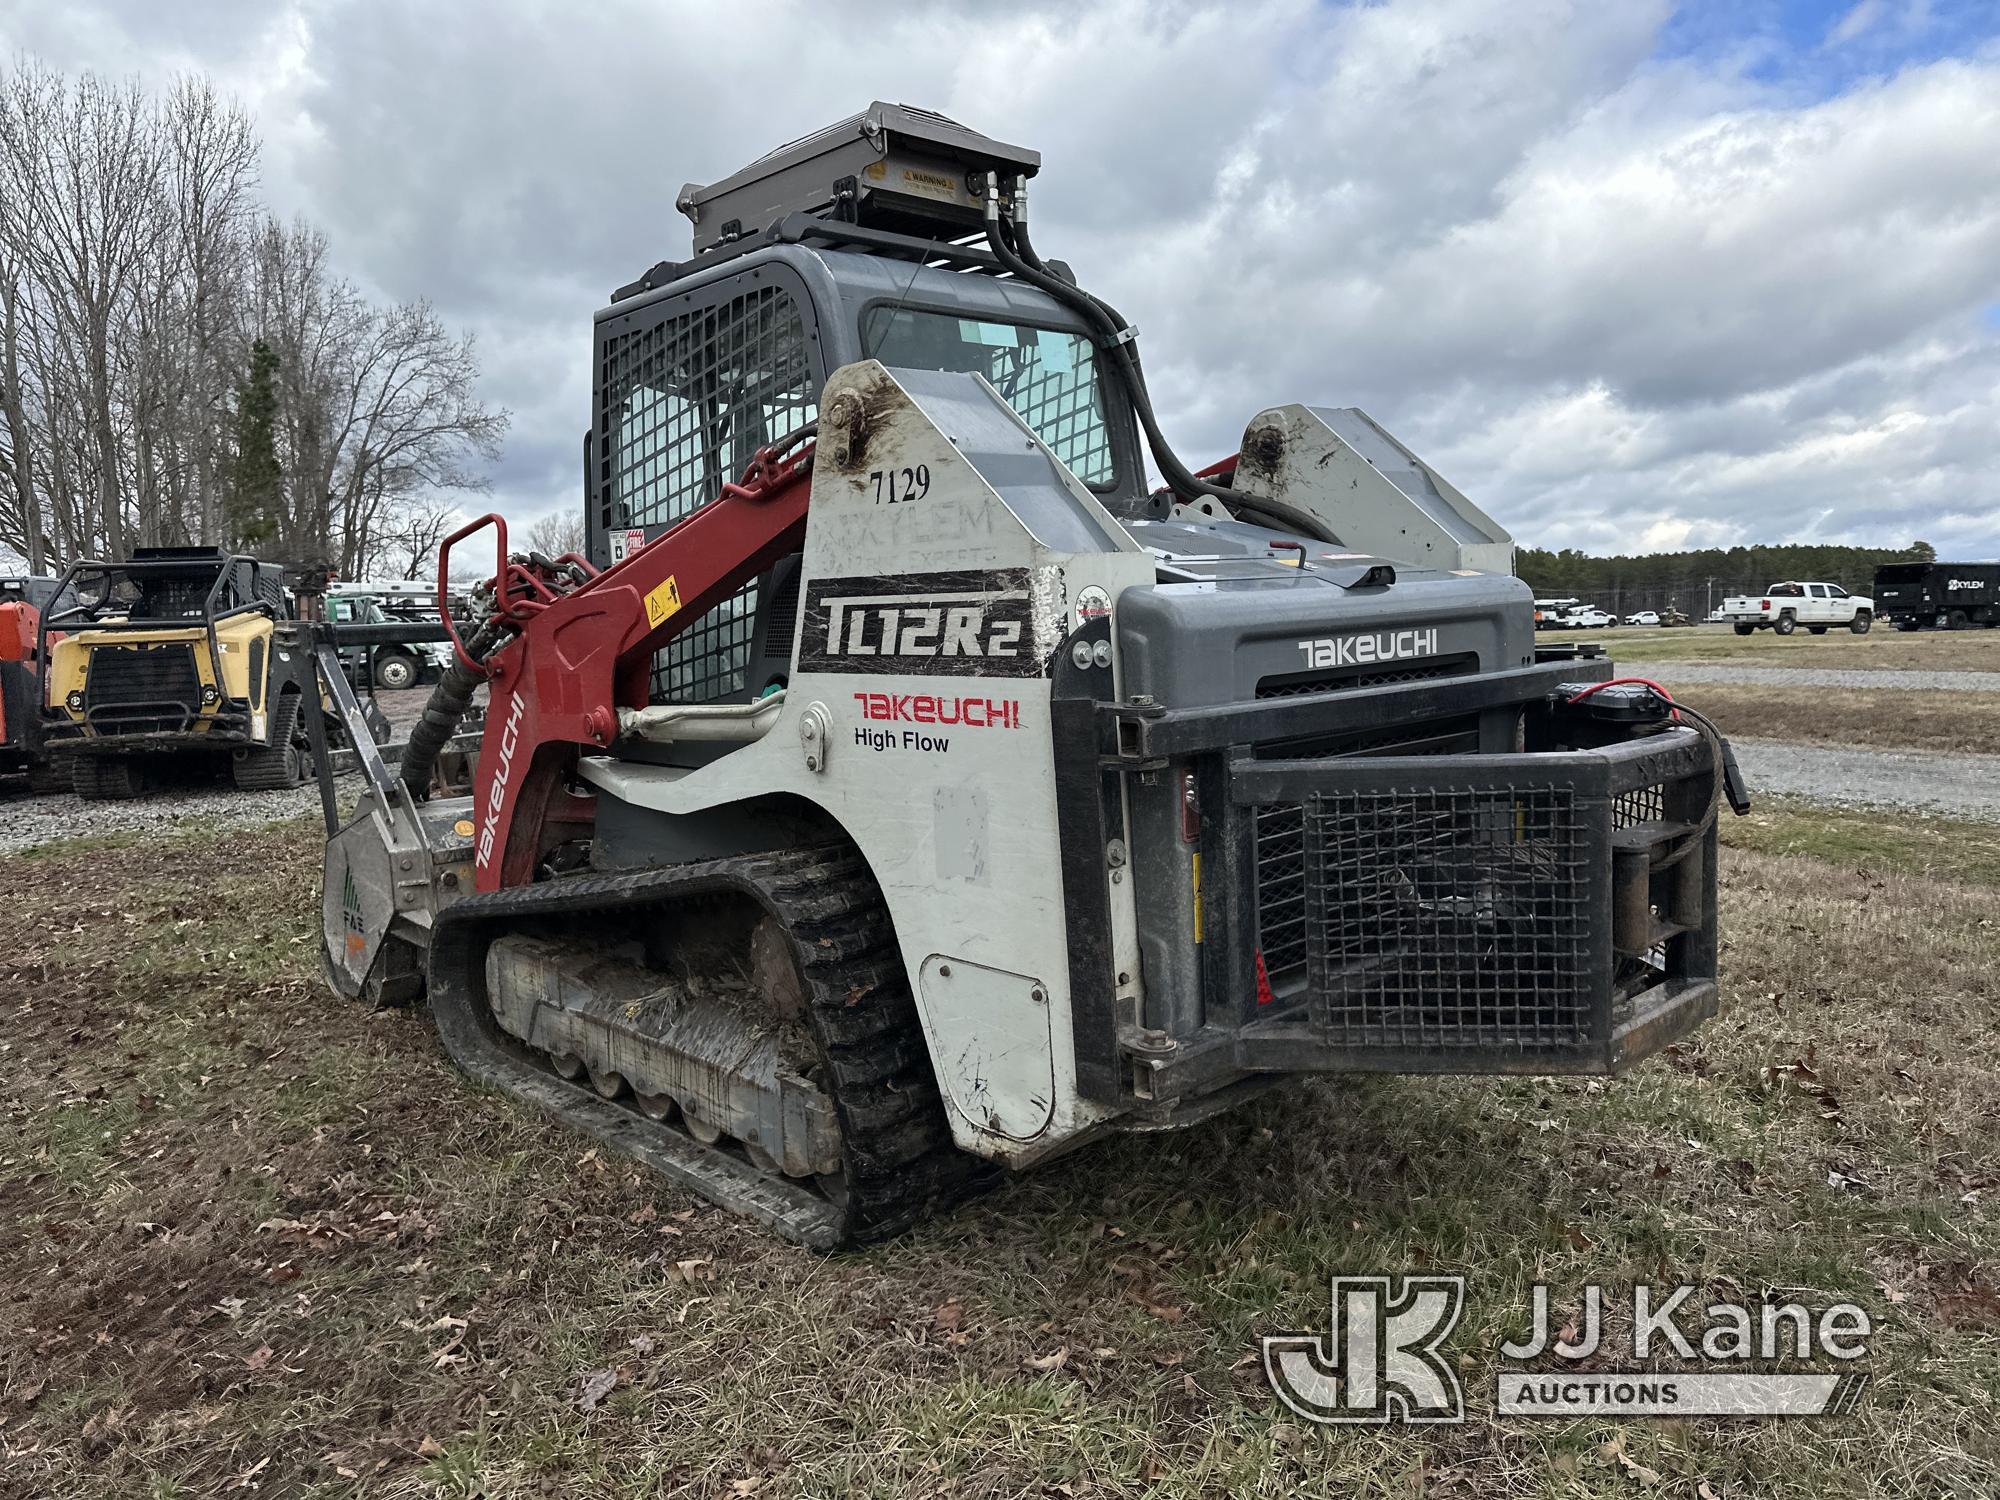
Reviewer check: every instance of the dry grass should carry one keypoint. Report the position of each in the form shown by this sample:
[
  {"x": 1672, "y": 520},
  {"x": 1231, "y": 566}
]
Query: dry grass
[
  {"x": 1863, "y": 845},
  {"x": 1928, "y": 650},
  {"x": 257, "y": 1235},
  {"x": 1888, "y": 718}
]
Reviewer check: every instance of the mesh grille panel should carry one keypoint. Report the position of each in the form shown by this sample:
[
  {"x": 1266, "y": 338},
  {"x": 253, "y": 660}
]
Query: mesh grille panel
[
  {"x": 1048, "y": 377},
  {"x": 1281, "y": 847},
  {"x": 708, "y": 660},
  {"x": 1296, "y": 684},
  {"x": 142, "y": 688},
  {"x": 1646, "y": 805},
  {"x": 1448, "y": 917},
  {"x": 685, "y": 404},
  {"x": 1061, "y": 405}
]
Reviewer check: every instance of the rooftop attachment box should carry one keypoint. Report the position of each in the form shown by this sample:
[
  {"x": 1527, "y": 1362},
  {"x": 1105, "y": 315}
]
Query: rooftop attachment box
[{"x": 891, "y": 167}]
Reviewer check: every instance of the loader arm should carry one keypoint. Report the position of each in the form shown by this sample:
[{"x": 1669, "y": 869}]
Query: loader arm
[{"x": 582, "y": 653}]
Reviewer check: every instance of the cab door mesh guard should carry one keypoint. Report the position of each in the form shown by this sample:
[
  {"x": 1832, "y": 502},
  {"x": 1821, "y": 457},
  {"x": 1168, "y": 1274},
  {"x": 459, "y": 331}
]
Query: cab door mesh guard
[{"x": 1523, "y": 912}]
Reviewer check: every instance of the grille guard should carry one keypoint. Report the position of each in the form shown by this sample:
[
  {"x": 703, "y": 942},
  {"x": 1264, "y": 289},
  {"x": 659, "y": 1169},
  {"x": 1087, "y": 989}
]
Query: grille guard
[{"x": 1528, "y": 913}]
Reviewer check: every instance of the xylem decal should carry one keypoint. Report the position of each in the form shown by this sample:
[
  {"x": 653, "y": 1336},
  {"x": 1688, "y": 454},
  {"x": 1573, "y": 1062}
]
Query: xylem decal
[
  {"x": 1358, "y": 650},
  {"x": 923, "y": 624},
  {"x": 1965, "y": 583},
  {"x": 496, "y": 791}
]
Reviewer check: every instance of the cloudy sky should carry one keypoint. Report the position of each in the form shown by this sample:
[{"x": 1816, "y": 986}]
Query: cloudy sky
[{"x": 1633, "y": 274}]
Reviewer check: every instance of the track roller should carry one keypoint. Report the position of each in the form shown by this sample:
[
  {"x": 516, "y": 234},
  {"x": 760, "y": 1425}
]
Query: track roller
[{"x": 754, "y": 1014}]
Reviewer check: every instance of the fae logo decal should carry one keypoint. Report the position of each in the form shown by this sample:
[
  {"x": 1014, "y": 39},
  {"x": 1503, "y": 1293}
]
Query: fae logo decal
[{"x": 922, "y": 624}]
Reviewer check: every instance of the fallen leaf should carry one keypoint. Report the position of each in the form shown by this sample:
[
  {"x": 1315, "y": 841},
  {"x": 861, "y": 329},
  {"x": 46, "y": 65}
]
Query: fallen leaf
[
  {"x": 260, "y": 1358},
  {"x": 643, "y": 1343},
  {"x": 949, "y": 1316},
  {"x": 594, "y": 1387},
  {"x": 243, "y": 1480},
  {"x": 1049, "y": 1362},
  {"x": 430, "y": 1447},
  {"x": 230, "y": 1307}
]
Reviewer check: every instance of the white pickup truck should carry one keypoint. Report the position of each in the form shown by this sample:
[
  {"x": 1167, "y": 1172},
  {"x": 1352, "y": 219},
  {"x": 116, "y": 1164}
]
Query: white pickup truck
[{"x": 1784, "y": 607}]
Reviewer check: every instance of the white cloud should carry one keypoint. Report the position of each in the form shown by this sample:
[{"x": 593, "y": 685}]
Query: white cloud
[
  {"x": 1863, "y": 17},
  {"x": 1616, "y": 297}
]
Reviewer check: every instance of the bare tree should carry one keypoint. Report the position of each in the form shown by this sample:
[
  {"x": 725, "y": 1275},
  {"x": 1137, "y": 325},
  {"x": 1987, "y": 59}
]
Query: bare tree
[
  {"x": 404, "y": 543},
  {"x": 561, "y": 530},
  {"x": 137, "y": 272},
  {"x": 213, "y": 170},
  {"x": 92, "y": 209},
  {"x": 410, "y": 420}
]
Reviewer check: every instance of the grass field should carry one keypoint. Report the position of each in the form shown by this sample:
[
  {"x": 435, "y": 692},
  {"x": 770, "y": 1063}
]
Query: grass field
[
  {"x": 1951, "y": 722},
  {"x": 262, "y": 1242},
  {"x": 1928, "y": 650}
]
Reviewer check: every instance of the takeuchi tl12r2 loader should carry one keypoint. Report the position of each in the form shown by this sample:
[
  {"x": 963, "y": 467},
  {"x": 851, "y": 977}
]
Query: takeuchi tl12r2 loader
[{"x": 904, "y": 786}]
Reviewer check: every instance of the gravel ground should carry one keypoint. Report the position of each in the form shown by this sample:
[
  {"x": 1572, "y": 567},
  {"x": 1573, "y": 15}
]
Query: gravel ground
[
  {"x": 1959, "y": 786},
  {"x": 26, "y": 821},
  {"x": 1820, "y": 677}
]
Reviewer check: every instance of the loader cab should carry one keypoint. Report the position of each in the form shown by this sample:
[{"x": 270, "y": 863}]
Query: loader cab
[{"x": 700, "y": 365}]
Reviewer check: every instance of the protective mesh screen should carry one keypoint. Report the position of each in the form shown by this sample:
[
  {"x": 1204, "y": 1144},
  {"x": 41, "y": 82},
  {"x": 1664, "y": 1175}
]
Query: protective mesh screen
[
  {"x": 1281, "y": 831},
  {"x": 1047, "y": 376},
  {"x": 685, "y": 404},
  {"x": 1448, "y": 917}
]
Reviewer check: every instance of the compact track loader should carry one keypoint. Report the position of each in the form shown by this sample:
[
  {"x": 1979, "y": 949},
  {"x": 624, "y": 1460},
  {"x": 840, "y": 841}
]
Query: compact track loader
[
  {"x": 904, "y": 785},
  {"x": 174, "y": 653}
]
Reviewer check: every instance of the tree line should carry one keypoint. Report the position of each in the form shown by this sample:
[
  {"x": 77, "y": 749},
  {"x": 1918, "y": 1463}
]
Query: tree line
[
  {"x": 177, "y": 366},
  {"x": 1699, "y": 581}
]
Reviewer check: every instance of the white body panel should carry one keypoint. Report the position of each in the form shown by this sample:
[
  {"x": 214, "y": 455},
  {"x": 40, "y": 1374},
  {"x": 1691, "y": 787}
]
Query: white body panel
[{"x": 937, "y": 762}]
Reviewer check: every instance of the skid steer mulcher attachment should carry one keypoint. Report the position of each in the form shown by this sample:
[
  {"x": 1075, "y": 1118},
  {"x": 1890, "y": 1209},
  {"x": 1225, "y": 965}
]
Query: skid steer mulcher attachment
[{"x": 902, "y": 786}]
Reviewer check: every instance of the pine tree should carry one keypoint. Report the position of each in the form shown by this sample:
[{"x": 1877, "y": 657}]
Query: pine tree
[{"x": 254, "y": 504}]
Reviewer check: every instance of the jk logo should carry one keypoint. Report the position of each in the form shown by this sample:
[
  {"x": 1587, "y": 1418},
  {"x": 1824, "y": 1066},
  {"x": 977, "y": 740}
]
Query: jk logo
[{"x": 1382, "y": 1362}]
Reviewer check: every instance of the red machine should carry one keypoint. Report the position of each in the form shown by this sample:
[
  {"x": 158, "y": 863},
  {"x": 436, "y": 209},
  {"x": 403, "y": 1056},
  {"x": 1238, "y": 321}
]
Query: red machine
[{"x": 20, "y": 748}]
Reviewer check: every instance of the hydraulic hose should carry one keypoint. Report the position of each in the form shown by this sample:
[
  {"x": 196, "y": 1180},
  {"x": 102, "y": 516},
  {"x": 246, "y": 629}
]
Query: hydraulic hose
[
  {"x": 1003, "y": 235},
  {"x": 445, "y": 709}
]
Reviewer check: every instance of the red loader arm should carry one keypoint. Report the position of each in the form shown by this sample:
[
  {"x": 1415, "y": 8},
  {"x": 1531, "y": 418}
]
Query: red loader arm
[{"x": 585, "y": 650}]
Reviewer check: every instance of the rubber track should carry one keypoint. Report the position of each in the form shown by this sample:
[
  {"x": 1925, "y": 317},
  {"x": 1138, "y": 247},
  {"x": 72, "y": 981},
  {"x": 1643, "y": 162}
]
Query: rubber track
[
  {"x": 107, "y": 778},
  {"x": 900, "y": 1160},
  {"x": 272, "y": 766}
]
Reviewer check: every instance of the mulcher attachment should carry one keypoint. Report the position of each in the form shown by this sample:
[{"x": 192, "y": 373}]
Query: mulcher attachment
[{"x": 852, "y": 1077}]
